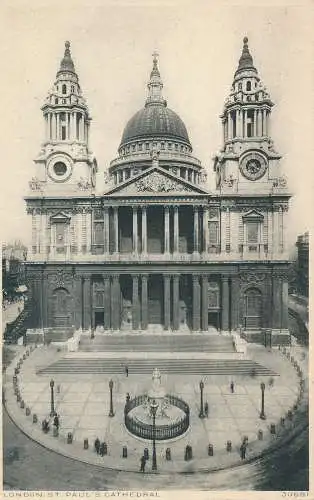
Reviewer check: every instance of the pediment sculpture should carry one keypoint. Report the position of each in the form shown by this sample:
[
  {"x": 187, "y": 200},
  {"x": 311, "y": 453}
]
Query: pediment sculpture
[{"x": 159, "y": 183}]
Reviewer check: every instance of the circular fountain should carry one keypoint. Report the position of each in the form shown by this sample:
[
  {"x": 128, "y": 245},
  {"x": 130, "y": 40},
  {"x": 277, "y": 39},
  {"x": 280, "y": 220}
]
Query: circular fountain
[{"x": 172, "y": 417}]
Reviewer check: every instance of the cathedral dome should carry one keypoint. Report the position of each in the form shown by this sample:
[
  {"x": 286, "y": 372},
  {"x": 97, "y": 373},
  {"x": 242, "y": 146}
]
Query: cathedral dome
[{"x": 155, "y": 120}]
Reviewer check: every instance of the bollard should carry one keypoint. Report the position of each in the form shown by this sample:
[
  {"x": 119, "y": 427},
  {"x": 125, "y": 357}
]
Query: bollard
[
  {"x": 282, "y": 421},
  {"x": 272, "y": 429},
  {"x": 210, "y": 450},
  {"x": 168, "y": 454},
  {"x": 69, "y": 438},
  {"x": 27, "y": 412},
  {"x": 229, "y": 446},
  {"x": 85, "y": 444},
  {"x": 146, "y": 454},
  {"x": 260, "y": 435},
  {"x": 124, "y": 452},
  {"x": 35, "y": 419},
  {"x": 55, "y": 431}
]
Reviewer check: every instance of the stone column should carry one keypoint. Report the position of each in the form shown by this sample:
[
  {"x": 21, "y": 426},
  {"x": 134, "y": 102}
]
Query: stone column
[
  {"x": 229, "y": 126},
  {"x": 205, "y": 229},
  {"x": 255, "y": 123},
  {"x": 144, "y": 230},
  {"x": 235, "y": 298},
  {"x": 239, "y": 128},
  {"x": 87, "y": 302},
  {"x": 167, "y": 301},
  {"x": 284, "y": 304},
  {"x": 196, "y": 302},
  {"x": 116, "y": 229},
  {"x": 135, "y": 303},
  {"x": 175, "y": 298},
  {"x": 264, "y": 123},
  {"x": 204, "y": 303},
  {"x": 196, "y": 230},
  {"x": 106, "y": 230},
  {"x": 225, "y": 303},
  {"x": 135, "y": 230},
  {"x": 144, "y": 302},
  {"x": 115, "y": 302},
  {"x": 245, "y": 123},
  {"x": 277, "y": 301},
  {"x": 167, "y": 230},
  {"x": 176, "y": 229},
  {"x": 107, "y": 322}
]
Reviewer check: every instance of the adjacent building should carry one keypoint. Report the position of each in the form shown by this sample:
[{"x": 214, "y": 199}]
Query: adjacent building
[{"x": 155, "y": 249}]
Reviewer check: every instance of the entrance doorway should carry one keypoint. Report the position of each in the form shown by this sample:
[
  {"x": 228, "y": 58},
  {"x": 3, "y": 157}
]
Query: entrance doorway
[
  {"x": 253, "y": 309},
  {"x": 213, "y": 320},
  {"x": 98, "y": 319}
]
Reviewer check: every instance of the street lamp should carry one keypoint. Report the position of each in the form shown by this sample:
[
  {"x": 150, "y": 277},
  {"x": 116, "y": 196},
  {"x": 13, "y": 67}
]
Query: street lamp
[
  {"x": 153, "y": 409},
  {"x": 262, "y": 414},
  {"x": 201, "y": 414},
  {"x": 52, "y": 403},
  {"x": 111, "y": 414}
]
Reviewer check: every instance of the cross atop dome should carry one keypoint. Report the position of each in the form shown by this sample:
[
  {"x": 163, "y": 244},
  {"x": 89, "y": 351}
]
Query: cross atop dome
[
  {"x": 155, "y": 84},
  {"x": 67, "y": 62},
  {"x": 246, "y": 60}
]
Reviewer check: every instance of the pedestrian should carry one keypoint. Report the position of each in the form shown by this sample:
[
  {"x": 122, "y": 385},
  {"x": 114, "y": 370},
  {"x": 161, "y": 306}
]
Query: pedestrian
[
  {"x": 102, "y": 449},
  {"x": 143, "y": 463},
  {"x": 232, "y": 387},
  {"x": 271, "y": 382},
  {"x": 97, "y": 445},
  {"x": 56, "y": 421},
  {"x": 206, "y": 409},
  {"x": 126, "y": 370},
  {"x": 243, "y": 450}
]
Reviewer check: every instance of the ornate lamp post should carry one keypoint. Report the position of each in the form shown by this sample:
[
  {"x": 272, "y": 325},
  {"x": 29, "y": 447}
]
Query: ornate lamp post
[
  {"x": 201, "y": 414},
  {"x": 52, "y": 403},
  {"x": 111, "y": 414},
  {"x": 153, "y": 408},
  {"x": 262, "y": 414}
]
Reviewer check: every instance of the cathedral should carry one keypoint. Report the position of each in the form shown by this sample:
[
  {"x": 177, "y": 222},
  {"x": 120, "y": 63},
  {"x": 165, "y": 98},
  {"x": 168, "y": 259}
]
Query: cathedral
[{"x": 152, "y": 249}]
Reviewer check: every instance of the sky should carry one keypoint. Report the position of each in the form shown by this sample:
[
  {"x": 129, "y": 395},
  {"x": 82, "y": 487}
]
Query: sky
[{"x": 199, "y": 46}]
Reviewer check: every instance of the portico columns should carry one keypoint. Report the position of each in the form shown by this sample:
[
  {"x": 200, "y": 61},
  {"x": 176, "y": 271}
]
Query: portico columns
[
  {"x": 144, "y": 230},
  {"x": 175, "y": 290},
  {"x": 87, "y": 302},
  {"x": 196, "y": 302},
  {"x": 107, "y": 303},
  {"x": 167, "y": 301},
  {"x": 135, "y": 231},
  {"x": 144, "y": 303},
  {"x": 196, "y": 230},
  {"x": 115, "y": 302},
  {"x": 205, "y": 229},
  {"x": 167, "y": 231},
  {"x": 116, "y": 229},
  {"x": 106, "y": 230},
  {"x": 225, "y": 303},
  {"x": 135, "y": 304},
  {"x": 204, "y": 303},
  {"x": 176, "y": 229}
]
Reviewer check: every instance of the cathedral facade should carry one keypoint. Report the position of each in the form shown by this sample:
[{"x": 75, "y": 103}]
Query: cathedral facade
[{"x": 154, "y": 249}]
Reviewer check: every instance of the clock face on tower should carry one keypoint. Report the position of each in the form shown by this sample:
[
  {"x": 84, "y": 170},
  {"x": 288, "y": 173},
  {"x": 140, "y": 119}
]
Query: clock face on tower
[{"x": 253, "y": 167}]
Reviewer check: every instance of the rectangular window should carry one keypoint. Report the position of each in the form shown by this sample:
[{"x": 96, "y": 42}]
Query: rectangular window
[
  {"x": 252, "y": 229},
  {"x": 98, "y": 233},
  {"x": 213, "y": 233},
  {"x": 60, "y": 237},
  {"x": 63, "y": 133}
]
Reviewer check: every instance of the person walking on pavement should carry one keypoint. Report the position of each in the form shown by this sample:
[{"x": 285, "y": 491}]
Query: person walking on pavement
[
  {"x": 97, "y": 445},
  {"x": 126, "y": 370},
  {"x": 206, "y": 409},
  {"x": 56, "y": 421},
  {"x": 232, "y": 387},
  {"x": 143, "y": 463}
]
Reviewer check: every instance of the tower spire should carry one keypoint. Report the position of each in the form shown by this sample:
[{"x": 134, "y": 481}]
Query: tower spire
[
  {"x": 246, "y": 60},
  {"x": 67, "y": 62},
  {"x": 155, "y": 84}
]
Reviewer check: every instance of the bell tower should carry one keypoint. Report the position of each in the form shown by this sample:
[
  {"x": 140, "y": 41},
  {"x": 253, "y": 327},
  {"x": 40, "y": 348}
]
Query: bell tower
[
  {"x": 247, "y": 162},
  {"x": 65, "y": 163}
]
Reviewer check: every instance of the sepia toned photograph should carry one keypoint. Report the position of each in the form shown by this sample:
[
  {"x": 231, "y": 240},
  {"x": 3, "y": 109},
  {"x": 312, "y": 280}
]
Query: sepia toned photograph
[{"x": 156, "y": 212}]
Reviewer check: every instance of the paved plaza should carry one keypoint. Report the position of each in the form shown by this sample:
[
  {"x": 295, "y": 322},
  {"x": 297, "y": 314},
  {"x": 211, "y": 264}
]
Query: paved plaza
[{"x": 82, "y": 401}]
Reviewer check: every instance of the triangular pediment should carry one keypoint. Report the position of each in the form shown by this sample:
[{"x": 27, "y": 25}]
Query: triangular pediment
[
  {"x": 253, "y": 215},
  {"x": 155, "y": 180},
  {"x": 60, "y": 217}
]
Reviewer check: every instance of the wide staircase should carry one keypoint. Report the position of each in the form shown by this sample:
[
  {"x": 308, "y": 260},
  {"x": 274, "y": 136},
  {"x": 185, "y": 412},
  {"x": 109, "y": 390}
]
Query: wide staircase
[
  {"x": 157, "y": 343},
  {"x": 115, "y": 366}
]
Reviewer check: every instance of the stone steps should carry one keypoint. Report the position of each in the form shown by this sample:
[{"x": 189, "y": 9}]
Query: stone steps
[
  {"x": 166, "y": 366},
  {"x": 160, "y": 343}
]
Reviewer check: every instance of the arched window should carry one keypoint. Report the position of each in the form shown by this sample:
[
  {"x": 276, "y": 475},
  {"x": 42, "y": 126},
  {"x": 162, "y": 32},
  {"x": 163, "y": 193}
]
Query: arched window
[
  {"x": 252, "y": 309},
  {"x": 248, "y": 85},
  {"x": 64, "y": 89}
]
